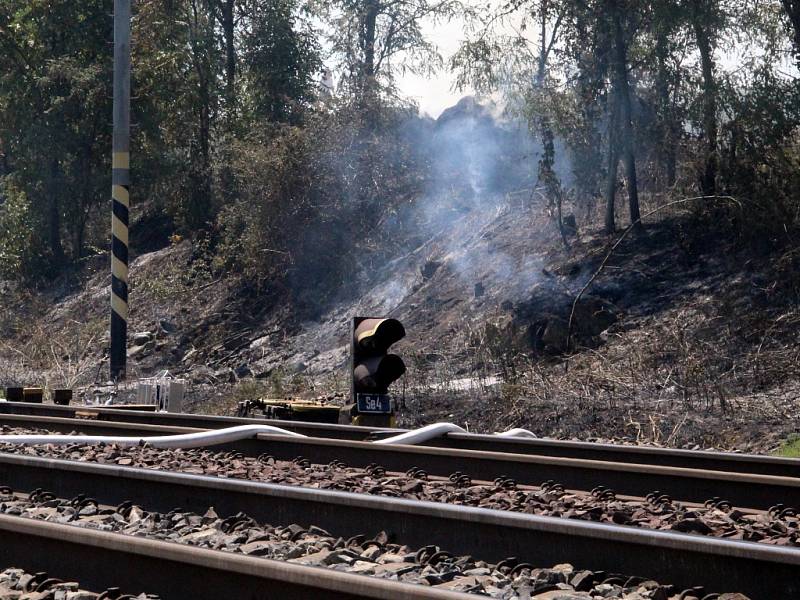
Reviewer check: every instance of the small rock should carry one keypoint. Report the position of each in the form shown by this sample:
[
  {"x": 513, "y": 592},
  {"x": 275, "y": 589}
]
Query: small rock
[
  {"x": 256, "y": 548},
  {"x": 429, "y": 269},
  {"x": 141, "y": 338},
  {"x": 561, "y": 595},
  {"x": 583, "y": 581},
  {"x": 243, "y": 371},
  {"x": 134, "y": 351},
  {"x": 225, "y": 375},
  {"x": 691, "y": 526},
  {"x": 372, "y": 553}
]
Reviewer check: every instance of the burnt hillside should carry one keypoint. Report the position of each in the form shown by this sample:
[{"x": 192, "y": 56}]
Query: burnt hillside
[{"x": 672, "y": 341}]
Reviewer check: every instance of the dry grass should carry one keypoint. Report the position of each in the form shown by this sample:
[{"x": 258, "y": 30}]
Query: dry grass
[
  {"x": 716, "y": 364},
  {"x": 690, "y": 376}
]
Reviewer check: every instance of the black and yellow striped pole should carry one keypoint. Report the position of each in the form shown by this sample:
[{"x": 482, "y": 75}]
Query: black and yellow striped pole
[{"x": 120, "y": 181}]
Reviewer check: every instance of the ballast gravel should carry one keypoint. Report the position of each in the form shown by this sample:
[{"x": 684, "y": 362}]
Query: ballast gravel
[
  {"x": 16, "y": 584},
  {"x": 779, "y": 526},
  {"x": 376, "y": 556}
]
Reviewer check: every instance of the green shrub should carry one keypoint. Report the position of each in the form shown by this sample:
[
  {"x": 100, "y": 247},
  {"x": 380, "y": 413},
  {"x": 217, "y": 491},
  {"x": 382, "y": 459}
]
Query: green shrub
[
  {"x": 21, "y": 247},
  {"x": 790, "y": 448},
  {"x": 310, "y": 202}
]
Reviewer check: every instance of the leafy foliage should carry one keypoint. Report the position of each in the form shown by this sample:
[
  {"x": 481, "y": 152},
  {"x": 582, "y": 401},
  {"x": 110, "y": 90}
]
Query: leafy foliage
[
  {"x": 234, "y": 141},
  {"x": 279, "y": 90},
  {"x": 312, "y": 200},
  {"x": 696, "y": 128},
  {"x": 18, "y": 232}
]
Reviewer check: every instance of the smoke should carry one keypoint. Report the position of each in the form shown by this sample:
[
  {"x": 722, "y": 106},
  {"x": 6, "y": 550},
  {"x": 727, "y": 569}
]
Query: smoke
[
  {"x": 474, "y": 237},
  {"x": 477, "y": 216},
  {"x": 484, "y": 169}
]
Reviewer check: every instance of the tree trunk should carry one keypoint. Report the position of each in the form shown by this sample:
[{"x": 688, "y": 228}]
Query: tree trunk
[
  {"x": 80, "y": 233},
  {"x": 626, "y": 113},
  {"x": 226, "y": 178},
  {"x": 54, "y": 189},
  {"x": 792, "y": 8},
  {"x": 588, "y": 151},
  {"x": 542, "y": 71},
  {"x": 4, "y": 166},
  {"x": 366, "y": 82},
  {"x": 613, "y": 162},
  {"x": 708, "y": 180},
  {"x": 368, "y": 39},
  {"x": 78, "y": 224},
  {"x": 197, "y": 214},
  {"x": 547, "y": 174},
  {"x": 201, "y": 192},
  {"x": 230, "y": 52},
  {"x": 666, "y": 125}
]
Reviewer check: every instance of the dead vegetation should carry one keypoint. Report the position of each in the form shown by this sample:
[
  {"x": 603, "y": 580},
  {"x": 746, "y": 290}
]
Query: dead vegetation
[
  {"x": 687, "y": 338},
  {"x": 704, "y": 353},
  {"x": 680, "y": 379}
]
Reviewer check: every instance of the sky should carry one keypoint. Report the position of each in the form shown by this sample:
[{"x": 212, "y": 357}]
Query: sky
[{"x": 434, "y": 94}]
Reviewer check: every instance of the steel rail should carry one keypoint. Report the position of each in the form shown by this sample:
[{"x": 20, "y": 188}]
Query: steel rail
[
  {"x": 761, "y": 571},
  {"x": 668, "y": 457},
  {"x": 690, "y": 485},
  {"x": 100, "y": 560},
  {"x": 101, "y": 413}
]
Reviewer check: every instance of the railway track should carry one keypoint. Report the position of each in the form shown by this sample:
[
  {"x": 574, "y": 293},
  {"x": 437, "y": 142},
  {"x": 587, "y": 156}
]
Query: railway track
[
  {"x": 689, "y": 459},
  {"x": 657, "y": 511},
  {"x": 172, "y": 571},
  {"x": 14, "y": 583},
  {"x": 742, "y": 489},
  {"x": 758, "y": 570},
  {"x": 375, "y": 555}
]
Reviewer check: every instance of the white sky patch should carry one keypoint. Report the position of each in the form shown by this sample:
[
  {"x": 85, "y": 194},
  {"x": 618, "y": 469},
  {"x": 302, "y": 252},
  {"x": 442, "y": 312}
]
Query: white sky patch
[{"x": 435, "y": 93}]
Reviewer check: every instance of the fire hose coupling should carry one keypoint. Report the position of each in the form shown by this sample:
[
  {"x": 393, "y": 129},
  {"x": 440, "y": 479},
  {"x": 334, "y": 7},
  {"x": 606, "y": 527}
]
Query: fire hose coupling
[{"x": 232, "y": 434}]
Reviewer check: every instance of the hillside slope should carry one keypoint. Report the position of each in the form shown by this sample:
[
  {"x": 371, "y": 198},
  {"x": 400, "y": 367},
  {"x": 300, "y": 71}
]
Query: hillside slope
[
  {"x": 688, "y": 334},
  {"x": 673, "y": 342}
]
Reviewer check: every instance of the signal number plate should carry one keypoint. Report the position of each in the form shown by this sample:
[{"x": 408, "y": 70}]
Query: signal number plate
[{"x": 374, "y": 404}]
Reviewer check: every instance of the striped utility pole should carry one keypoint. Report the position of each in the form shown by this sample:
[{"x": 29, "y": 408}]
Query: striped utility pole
[{"x": 120, "y": 180}]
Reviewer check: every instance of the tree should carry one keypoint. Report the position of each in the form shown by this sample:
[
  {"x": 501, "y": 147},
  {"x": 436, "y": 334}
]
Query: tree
[
  {"x": 494, "y": 59},
  {"x": 226, "y": 14},
  {"x": 280, "y": 57},
  {"x": 792, "y": 8},
  {"x": 663, "y": 55},
  {"x": 705, "y": 18},
  {"x": 375, "y": 40},
  {"x": 54, "y": 101},
  {"x": 550, "y": 16},
  {"x": 622, "y": 94},
  {"x": 596, "y": 38}
]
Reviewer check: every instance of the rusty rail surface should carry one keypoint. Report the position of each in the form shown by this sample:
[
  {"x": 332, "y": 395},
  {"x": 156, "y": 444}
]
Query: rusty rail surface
[
  {"x": 689, "y": 459},
  {"x": 758, "y": 570},
  {"x": 749, "y": 490},
  {"x": 175, "y": 572}
]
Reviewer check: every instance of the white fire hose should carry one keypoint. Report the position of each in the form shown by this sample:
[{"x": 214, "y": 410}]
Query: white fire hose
[
  {"x": 233, "y": 434},
  {"x": 429, "y": 432},
  {"x": 423, "y": 434},
  {"x": 185, "y": 440},
  {"x": 517, "y": 432}
]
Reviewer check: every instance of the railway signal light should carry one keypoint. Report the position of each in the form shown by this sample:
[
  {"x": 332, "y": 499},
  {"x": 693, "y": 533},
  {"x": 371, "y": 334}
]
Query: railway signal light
[{"x": 373, "y": 369}]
